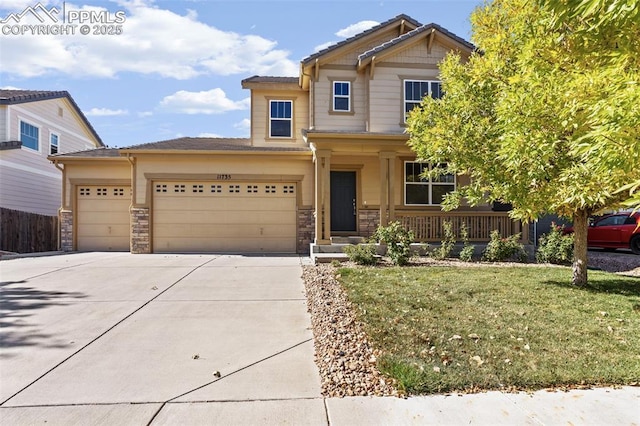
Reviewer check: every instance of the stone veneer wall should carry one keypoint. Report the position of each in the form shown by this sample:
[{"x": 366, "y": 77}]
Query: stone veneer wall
[
  {"x": 368, "y": 221},
  {"x": 306, "y": 230},
  {"x": 66, "y": 230},
  {"x": 140, "y": 236}
]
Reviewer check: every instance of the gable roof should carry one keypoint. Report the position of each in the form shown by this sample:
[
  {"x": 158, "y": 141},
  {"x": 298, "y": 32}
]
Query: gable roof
[
  {"x": 13, "y": 97},
  {"x": 428, "y": 30},
  {"x": 399, "y": 20}
]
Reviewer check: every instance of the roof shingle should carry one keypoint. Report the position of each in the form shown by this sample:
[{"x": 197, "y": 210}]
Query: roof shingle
[
  {"x": 16, "y": 96},
  {"x": 209, "y": 144},
  {"x": 400, "y": 17}
]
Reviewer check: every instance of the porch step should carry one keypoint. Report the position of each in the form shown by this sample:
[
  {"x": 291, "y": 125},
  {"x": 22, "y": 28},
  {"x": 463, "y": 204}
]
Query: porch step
[{"x": 348, "y": 240}]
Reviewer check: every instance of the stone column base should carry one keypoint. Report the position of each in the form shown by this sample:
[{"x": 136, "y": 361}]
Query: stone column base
[{"x": 140, "y": 235}]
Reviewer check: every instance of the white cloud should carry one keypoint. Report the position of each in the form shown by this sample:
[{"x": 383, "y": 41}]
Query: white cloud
[
  {"x": 324, "y": 46},
  {"x": 212, "y": 101},
  {"x": 350, "y": 31},
  {"x": 105, "y": 112},
  {"x": 143, "y": 114},
  {"x": 243, "y": 125},
  {"x": 153, "y": 41},
  {"x": 10, "y": 88},
  {"x": 209, "y": 135},
  {"x": 356, "y": 28}
]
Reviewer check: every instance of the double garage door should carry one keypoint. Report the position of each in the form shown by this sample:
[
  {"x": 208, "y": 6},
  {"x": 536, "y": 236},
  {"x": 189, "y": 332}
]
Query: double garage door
[{"x": 218, "y": 216}]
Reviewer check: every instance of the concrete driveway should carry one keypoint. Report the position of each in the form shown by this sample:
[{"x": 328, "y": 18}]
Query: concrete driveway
[
  {"x": 121, "y": 339},
  {"x": 115, "y": 338}
]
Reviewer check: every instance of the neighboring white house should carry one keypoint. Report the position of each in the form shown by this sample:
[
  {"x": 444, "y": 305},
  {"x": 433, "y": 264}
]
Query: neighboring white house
[{"x": 33, "y": 125}]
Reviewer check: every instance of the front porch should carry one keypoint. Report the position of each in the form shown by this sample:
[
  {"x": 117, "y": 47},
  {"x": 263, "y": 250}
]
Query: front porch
[
  {"x": 427, "y": 228},
  {"x": 365, "y": 180}
]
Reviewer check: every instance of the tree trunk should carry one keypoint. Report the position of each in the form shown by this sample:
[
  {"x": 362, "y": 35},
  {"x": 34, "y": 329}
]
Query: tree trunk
[{"x": 580, "y": 230}]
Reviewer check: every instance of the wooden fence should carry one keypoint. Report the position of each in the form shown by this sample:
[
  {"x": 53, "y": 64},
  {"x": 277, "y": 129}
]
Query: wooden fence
[{"x": 22, "y": 232}]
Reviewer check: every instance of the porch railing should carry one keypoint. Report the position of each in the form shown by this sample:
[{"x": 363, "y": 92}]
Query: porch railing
[{"x": 427, "y": 226}]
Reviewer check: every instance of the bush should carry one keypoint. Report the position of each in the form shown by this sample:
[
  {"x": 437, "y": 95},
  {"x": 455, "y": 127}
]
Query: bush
[
  {"x": 362, "y": 254},
  {"x": 502, "y": 249},
  {"x": 554, "y": 247},
  {"x": 398, "y": 240},
  {"x": 466, "y": 254},
  {"x": 446, "y": 245}
]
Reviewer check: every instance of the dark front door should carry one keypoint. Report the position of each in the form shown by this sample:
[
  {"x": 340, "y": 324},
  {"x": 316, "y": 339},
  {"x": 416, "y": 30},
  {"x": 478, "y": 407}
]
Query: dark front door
[{"x": 343, "y": 201}]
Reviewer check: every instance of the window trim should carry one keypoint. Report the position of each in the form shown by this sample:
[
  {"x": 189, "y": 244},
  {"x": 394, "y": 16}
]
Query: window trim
[
  {"x": 429, "y": 184},
  {"x": 334, "y": 96},
  {"x": 430, "y": 82},
  {"x": 57, "y": 145},
  {"x": 38, "y": 144},
  {"x": 269, "y": 119}
]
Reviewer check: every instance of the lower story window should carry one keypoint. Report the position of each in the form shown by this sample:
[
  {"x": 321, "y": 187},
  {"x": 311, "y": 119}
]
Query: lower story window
[{"x": 424, "y": 191}]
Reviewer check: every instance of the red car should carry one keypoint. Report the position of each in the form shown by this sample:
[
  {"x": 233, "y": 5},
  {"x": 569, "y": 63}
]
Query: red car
[{"x": 613, "y": 231}]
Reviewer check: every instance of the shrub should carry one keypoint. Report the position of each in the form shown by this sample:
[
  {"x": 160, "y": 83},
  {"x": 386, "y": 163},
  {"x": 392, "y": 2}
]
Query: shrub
[
  {"x": 554, "y": 247},
  {"x": 362, "y": 254},
  {"x": 466, "y": 254},
  {"x": 502, "y": 249},
  {"x": 447, "y": 243},
  {"x": 398, "y": 240}
]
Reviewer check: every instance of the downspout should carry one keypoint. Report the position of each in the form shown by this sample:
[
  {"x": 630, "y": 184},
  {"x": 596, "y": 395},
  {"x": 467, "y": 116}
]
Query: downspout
[
  {"x": 64, "y": 201},
  {"x": 134, "y": 198}
]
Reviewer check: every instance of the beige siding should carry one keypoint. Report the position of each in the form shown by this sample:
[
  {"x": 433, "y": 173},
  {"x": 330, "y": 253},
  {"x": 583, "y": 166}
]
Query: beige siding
[
  {"x": 260, "y": 116},
  {"x": 29, "y": 181},
  {"x": 350, "y": 58},
  {"x": 325, "y": 118},
  {"x": 386, "y": 88},
  {"x": 104, "y": 172}
]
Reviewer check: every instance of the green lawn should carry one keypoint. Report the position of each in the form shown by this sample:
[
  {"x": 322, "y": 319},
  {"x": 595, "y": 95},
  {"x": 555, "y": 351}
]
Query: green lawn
[{"x": 445, "y": 329}]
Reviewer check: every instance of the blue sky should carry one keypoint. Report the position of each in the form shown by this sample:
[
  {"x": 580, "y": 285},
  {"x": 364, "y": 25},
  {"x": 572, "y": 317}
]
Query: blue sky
[{"x": 176, "y": 68}]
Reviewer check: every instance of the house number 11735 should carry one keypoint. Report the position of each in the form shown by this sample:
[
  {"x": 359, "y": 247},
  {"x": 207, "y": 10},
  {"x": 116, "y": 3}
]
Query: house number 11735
[{"x": 223, "y": 177}]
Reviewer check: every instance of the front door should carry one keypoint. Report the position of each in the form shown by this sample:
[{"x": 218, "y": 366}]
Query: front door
[{"x": 343, "y": 201}]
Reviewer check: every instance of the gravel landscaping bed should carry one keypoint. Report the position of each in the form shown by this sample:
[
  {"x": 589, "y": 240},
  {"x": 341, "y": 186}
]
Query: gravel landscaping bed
[{"x": 346, "y": 360}]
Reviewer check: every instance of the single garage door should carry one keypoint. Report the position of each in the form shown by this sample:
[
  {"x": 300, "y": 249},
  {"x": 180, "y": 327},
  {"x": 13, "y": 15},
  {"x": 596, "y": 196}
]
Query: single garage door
[
  {"x": 252, "y": 217},
  {"x": 103, "y": 218}
]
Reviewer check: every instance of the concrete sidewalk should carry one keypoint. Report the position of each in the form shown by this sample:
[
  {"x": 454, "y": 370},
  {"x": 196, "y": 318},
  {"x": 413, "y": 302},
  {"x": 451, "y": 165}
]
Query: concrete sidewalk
[{"x": 121, "y": 339}]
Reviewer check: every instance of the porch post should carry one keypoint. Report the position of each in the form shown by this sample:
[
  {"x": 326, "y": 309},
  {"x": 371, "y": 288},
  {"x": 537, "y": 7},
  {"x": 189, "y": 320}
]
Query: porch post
[
  {"x": 387, "y": 187},
  {"x": 392, "y": 186},
  {"x": 384, "y": 189},
  {"x": 323, "y": 197}
]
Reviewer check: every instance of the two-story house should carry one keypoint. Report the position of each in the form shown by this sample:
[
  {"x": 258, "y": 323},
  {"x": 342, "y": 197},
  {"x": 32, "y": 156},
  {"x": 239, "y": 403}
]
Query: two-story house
[
  {"x": 327, "y": 156},
  {"x": 33, "y": 125}
]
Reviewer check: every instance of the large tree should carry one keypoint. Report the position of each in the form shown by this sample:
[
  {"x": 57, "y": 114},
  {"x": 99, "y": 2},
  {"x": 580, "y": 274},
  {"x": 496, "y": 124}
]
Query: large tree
[{"x": 537, "y": 117}]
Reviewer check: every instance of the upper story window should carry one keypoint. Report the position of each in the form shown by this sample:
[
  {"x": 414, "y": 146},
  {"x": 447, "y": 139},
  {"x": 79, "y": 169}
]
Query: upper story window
[
  {"x": 53, "y": 144},
  {"x": 342, "y": 96},
  {"x": 280, "y": 119},
  {"x": 416, "y": 90},
  {"x": 421, "y": 191},
  {"x": 29, "y": 136}
]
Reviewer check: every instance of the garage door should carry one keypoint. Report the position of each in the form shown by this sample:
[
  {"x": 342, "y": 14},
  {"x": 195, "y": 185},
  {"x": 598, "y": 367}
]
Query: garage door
[
  {"x": 192, "y": 217},
  {"x": 103, "y": 218}
]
